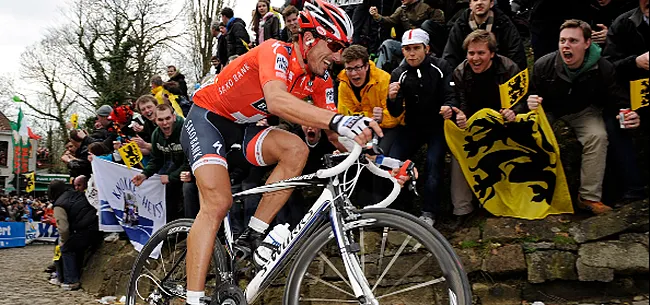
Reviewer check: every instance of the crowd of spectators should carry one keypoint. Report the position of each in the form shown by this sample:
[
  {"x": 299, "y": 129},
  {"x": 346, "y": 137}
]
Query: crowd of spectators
[{"x": 24, "y": 209}]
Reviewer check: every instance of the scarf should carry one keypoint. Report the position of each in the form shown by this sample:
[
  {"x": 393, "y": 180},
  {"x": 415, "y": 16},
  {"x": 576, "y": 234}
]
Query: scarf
[
  {"x": 489, "y": 21},
  {"x": 260, "y": 29}
]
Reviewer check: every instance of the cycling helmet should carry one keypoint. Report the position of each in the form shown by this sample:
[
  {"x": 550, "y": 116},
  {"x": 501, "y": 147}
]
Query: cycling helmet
[{"x": 326, "y": 20}]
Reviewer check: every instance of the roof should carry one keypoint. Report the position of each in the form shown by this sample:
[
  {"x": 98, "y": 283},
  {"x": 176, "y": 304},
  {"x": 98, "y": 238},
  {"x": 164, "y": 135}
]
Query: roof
[{"x": 4, "y": 122}]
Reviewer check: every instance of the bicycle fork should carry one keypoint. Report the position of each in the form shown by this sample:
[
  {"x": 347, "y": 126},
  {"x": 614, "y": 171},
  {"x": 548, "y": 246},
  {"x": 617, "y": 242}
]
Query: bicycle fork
[{"x": 358, "y": 282}]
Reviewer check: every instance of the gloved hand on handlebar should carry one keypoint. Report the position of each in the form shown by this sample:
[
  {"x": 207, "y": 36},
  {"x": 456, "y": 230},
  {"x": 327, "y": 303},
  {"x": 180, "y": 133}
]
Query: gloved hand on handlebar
[{"x": 357, "y": 128}]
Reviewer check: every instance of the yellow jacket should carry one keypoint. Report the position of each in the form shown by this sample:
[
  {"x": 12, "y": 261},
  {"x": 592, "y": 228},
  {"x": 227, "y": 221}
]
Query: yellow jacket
[
  {"x": 374, "y": 94},
  {"x": 159, "y": 91}
]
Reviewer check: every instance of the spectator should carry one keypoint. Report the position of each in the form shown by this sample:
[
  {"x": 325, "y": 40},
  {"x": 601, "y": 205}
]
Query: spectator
[
  {"x": 576, "y": 84},
  {"x": 412, "y": 14},
  {"x": 146, "y": 105},
  {"x": 236, "y": 34},
  {"x": 363, "y": 89},
  {"x": 477, "y": 81},
  {"x": 215, "y": 63},
  {"x": 102, "y": 123},
  {"x": 603, "y": 13},
  {"x": 167, "y": 159},
  {"x": 482, "y": 15},
  {"x": 266, "y": 25},
  {"x": 77, "y": 224},
  {"x": 176, "y": 83},
  {"x": 163, "y": 95},
  {"x": 79, "y": 164},
  {"x": 290, "y": 15},
  {"x": 80, "y": 183},
  {"x": 420, "y": 89},
  {"x": 218, "y": 30},
  {"x": 628, "y": 42}
]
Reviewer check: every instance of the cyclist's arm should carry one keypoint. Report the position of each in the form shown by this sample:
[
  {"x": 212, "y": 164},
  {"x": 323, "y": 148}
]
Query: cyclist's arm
[{"x": 285, "y": 105}]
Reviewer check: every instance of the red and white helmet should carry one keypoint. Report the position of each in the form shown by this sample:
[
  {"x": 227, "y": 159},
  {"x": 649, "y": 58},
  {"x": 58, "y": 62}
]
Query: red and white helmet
[{"x": 327, "y": 20}]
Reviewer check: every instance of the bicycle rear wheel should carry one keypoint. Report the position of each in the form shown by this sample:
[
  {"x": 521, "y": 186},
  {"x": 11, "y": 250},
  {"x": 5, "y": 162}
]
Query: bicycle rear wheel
[
  {"x": 162, "y": 281},
  {"x": 404, "y": 260}
]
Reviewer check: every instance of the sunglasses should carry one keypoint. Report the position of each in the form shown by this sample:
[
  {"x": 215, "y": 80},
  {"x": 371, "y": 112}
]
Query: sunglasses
[{"x": 334, "y": 46}]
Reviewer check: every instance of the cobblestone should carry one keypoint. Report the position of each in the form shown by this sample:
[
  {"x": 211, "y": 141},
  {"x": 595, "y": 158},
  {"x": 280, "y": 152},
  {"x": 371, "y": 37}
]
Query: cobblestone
[{"x": 23, "y": 282}]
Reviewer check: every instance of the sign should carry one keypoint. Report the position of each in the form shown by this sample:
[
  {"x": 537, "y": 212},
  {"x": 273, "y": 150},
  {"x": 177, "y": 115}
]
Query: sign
[
  {"x": 47, "y": 178},
  {"x": 74, "y": 120},
  {"x": 12, "y": 234},
  {"x": 514, "y": 89},
  {"x": 513, "y": 170},
  {"x": 345, "y": 2},
  {"x": 639, "y": 93},
  {"x": 137, "y": 210},
  {"x": 131, "y": 154},
  {"x": 40, "y": 231}
]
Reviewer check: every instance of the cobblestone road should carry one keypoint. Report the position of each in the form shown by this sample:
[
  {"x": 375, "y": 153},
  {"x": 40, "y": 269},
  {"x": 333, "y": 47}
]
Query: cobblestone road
[{"x": 23, "y": 282}]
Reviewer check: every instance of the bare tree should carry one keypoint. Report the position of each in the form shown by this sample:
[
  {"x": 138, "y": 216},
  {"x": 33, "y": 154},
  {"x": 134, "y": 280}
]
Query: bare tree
[{"x": 200, "y": 15}]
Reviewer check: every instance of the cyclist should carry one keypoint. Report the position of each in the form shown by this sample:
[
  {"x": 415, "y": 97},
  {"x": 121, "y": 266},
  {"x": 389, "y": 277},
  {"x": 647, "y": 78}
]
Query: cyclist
[{"x": 270, "y": 79}]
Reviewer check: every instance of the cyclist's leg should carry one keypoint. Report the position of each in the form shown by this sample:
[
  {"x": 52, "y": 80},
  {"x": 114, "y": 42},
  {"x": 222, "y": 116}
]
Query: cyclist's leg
[
  {"x": 216, "y": 199},
  {"x": 206, "y": 138},
  {"x": 289, "y": 152}
]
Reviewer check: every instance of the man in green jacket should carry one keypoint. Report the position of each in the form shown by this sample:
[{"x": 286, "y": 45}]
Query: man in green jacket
[{"x": 167, "y": 159}]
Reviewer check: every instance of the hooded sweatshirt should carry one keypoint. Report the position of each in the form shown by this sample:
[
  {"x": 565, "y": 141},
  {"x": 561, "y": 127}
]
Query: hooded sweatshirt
[{"x": 167, "y": 157}]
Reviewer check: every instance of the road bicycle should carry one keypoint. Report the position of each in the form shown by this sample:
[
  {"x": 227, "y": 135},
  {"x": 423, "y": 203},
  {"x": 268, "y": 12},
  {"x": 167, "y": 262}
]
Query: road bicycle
[{"x": 337, "y": 254}]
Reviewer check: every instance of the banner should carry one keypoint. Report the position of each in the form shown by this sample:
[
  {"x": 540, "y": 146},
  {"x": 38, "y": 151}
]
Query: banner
[
  {"x": 138, "y": 210},
  {"x": 12, "y": 234},
  {"x": 514, "y": 89},
  {"x": 31, "y": 185},
  {"x": 514, "y": 169},
  {"x": 131, "y": 154},
  {"x": 639, "y": 93},
  {"x": 345, "y": 2},
  {"x": 40, "y": 231}
]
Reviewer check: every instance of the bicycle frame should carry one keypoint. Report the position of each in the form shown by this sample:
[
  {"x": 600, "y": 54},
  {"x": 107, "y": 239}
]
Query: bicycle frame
[{"x": 313, "y": 219}]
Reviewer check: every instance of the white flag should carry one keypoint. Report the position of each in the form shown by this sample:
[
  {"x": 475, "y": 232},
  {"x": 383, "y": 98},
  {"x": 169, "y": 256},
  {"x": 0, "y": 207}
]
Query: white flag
[{"x": 138, "y": 210}]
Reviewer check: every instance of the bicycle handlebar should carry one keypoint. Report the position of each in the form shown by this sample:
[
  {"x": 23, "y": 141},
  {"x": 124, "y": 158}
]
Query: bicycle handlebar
[
  {"x": 355, "y": 151},
  {"x": 354, "y": 154}
]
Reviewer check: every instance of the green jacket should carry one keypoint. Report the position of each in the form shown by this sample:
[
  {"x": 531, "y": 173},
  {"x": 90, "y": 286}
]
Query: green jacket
[{"x": 165, "y": 150}]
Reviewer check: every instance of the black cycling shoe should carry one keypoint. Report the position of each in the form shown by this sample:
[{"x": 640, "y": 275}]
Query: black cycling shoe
[{"x": 246, "y": 244}]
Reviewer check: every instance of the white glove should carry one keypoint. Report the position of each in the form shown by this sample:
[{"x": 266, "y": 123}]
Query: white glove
[{"x": 349, "y": 126}]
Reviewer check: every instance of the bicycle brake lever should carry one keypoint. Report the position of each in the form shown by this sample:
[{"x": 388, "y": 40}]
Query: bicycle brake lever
[{"x": 410, "y": 170}]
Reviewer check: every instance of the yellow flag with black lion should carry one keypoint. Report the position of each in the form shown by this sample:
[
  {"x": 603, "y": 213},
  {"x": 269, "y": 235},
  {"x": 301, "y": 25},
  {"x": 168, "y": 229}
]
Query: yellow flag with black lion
[{"x": 514, "y": 168}]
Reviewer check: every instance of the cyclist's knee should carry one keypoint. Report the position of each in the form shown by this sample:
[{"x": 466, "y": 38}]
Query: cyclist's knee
[{"x": 297, "y": 153}]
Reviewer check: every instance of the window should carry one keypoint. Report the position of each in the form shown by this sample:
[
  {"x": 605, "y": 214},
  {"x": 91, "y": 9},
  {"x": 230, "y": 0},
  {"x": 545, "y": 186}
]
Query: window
[{"x": 4, "y": 151}]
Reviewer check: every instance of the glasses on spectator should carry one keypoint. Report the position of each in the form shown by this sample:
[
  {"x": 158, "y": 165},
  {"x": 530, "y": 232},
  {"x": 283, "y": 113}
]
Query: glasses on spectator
[{"x": 355, "y": 68}]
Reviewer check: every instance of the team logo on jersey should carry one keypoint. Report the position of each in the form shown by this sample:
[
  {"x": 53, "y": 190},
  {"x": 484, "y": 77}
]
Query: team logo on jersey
[
  {"x": 329, "y": 95},
  {"x": 281, "y": 63},
  {"x": 261, "y": 106},
  {"x": 326, "y": 75}
]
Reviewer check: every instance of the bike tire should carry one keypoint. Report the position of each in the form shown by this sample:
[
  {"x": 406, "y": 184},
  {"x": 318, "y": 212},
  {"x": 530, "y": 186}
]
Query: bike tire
[
  {"x": 176, "y": 227},
  {"x": 450, "y": 266}
]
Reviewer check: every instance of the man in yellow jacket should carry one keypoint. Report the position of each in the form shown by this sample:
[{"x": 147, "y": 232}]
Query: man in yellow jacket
[
  {"x": 363, "y": 90},
  {"x": 163, "y": 96}
]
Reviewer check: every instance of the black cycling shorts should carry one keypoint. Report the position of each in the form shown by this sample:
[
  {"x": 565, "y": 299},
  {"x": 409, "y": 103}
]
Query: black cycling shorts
[{"x": 207, "y": 138}]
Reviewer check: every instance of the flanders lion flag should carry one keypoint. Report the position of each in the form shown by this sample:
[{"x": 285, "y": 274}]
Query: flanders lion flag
[
  {"x": 639, "y": 93},
  {"x": 30, "y": 182},
  {"x": 514, "y": 89},
  {"x": 514, "y": 170}
]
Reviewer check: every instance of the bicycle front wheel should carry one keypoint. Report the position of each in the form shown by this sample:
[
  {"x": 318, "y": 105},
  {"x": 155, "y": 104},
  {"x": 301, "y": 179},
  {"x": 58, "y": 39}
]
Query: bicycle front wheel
[
  {"x": 404, "y": 260},
  {"x": 162, "y": 281}
]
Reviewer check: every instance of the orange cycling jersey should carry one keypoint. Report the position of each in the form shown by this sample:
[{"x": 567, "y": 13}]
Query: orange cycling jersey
[{"x": 236, "y": 93}]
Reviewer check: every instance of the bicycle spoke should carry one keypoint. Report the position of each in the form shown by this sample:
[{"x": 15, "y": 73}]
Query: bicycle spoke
[
  {"x": 418, "y": 286},
  {"x": 329, "y": 263},
  {"x": 317, "y": 279},
  {"x": 329, "y": 300},
  {"x": 416, "y": 267},
  {"x": 392, "y": 261}
]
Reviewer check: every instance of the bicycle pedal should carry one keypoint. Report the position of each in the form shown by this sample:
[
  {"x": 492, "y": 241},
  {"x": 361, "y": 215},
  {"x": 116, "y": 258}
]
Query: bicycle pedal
[{"x": 242, "y": 254}]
